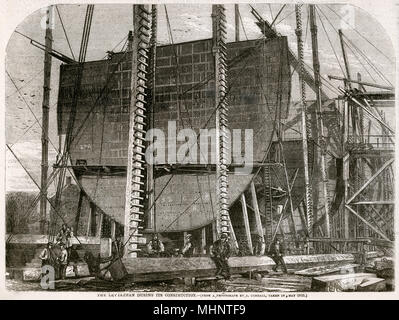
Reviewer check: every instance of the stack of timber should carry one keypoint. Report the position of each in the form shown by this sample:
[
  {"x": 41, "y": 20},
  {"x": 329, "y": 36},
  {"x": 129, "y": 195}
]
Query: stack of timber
[
  {"x": 383, "y": 268},
  {"x": 329, "y": 269},
  {"x": 349, "y": 282},
  {"x": 272, "y": 283},
  {"x": 289, "y": 283}
]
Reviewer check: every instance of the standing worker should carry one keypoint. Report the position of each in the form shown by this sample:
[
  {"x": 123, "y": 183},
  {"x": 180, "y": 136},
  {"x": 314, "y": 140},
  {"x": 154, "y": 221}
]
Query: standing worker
[
  {"x": 220, "y": 253},
  {"x": 260, "y": 246},
  {"x": 63, "y": 261},
  {"x": 45, "y": 255},
  {"x": 277, "y": 256},
  {"x": 68, "y": 244},
  {"x": 63, "y": 235},
  {"x": 188, "y": 248}
]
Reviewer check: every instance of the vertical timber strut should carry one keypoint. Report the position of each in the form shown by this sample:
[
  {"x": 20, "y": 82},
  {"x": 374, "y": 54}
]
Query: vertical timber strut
[
  {"x": 321, "y": 136},
  {"x": 306, "y": 126},
  {"x": 151, "y": 98},
  {"x": 348, "y": 115},
  {"x": 135, "y": 182},
  {"x": 220, "y": 53},
  {"x": 267, "y": 192},
  {"x": 45, "y": 118},
  {"x": 237, "y": 21}
]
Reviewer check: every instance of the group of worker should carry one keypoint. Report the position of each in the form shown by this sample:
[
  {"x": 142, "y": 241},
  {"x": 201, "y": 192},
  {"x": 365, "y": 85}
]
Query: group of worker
[
  {"x": 219, "y": 252},
  {"x": 58, "y": 259},
  {"x": 155, "y": 247}
]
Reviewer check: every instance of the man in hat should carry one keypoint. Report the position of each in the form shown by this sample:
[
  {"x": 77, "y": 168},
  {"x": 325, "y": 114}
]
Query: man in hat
[
  {"x": 188, "y": 248},
  {"x": 155, "y": 246},
  {"x": 276, "y": 253},
  {"x": 63, "y": 261},
  {"x": 45, "y": 255},
  {"x": 220, "y": 253},
  {"x": 63, "y": 235}
]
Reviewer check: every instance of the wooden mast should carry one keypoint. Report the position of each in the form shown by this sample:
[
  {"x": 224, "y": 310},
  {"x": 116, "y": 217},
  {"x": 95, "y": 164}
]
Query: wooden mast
[
  {"x": 237, "y": 21},
  {"x": 347, "y": 119},
  {"x": 305, "y": 133},
  {"x": 321, "y": 136},
  {"x": 45, "y": 118}
]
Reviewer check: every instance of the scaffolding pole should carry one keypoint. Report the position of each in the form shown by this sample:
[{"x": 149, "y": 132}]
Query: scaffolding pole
[
  {"x": 305, "y": 131},
  {"x": 45, "y": 118},
  {"x": 321, "y": 135}
]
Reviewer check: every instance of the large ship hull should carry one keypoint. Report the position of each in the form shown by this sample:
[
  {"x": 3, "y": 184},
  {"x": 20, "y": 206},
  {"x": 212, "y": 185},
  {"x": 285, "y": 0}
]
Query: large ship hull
[{"x": 259, "y": 80}]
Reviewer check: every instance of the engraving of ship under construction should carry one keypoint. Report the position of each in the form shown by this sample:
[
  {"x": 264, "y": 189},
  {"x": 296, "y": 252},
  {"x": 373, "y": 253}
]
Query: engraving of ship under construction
[{"x": 200, "y": 148}]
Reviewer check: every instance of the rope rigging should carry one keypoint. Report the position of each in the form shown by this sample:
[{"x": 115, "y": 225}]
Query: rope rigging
[
  {"x": 65, "y": 33},
  {"x": 378, "y": 72},
  {"x": 369, "y": 62},
  {"x": 329, "y": 41},
  {"x": 306, "y": 125},
  {"x": 361, "y": 35},
  {"x": 71, "y": 121}
]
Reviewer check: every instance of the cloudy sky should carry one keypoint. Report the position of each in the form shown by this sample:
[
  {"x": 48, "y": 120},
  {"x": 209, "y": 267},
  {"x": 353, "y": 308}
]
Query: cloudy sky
[{"x": 111, "y": 24}]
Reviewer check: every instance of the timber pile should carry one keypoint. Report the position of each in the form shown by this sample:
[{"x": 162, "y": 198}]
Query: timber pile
[
  {"x": 349, "y": 282},
  {"x": 272, "y": 283},
  {"x": 384, "y": 268},
  {"x": 289, "y": 283},
  {"x": 329, "y": 269}
]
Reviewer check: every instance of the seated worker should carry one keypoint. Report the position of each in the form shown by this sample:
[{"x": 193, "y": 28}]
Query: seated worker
[
  {"x": 155, "y": 246},
  {"x": 220, "y": 253},
  {"x": 188, "y": 248}
]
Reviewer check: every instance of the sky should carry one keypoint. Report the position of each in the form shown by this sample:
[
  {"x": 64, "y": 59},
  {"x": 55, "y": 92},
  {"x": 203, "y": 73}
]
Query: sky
[{"x": 111, "y": 23}]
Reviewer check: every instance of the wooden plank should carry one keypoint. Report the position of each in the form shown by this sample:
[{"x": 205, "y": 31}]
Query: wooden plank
[
  {"x": 373, "y": 284},
  {"x": 374, "y": 202},
  {"x": 152, "y": 269},
  {"x": 257, "y": 218},
  {"x": 214, "y": 231},
  {"x": 32, "y": 239},
  {"x": 100, "y": 225},
  {"x": 256, "y": 211},
  {"x": 233, "y": 234},
  {"x": 203, "y": 240},
  {"x": 324, "y": 270},
  {"x": 113, "y": 229},
  {"x": 336, "y": 277},
  {"x": 246, "y": 223}
]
